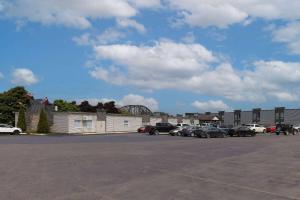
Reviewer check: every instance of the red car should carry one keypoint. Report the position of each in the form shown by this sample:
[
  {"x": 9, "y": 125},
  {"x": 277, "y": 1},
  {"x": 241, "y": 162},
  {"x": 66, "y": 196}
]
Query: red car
[
  {"x": 144, "y": 129},
  {"x": 271, "y": 129}
]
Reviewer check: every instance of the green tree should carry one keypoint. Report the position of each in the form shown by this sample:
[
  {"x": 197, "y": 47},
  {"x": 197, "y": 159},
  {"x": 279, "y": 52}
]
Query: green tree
[
  {"x": 22, "y": 120},
  {"x": 43, "y": 125},
  {"x": 11, "y": 101},
  {"x": 64, "y": 106}
]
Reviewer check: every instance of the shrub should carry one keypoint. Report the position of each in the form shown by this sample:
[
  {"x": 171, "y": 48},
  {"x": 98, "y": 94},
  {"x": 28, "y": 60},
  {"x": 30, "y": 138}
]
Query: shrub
[
  {"x": 22, "y": 120},
  {"x": 43, "y": 125}
]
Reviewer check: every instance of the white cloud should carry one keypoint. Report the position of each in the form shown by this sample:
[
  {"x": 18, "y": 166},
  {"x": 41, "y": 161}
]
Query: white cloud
[
  {"x": 23, "y": 76},
  {"x": 189, "y": 38},
  {"x": 133, "y": 99},
  {"x": 125, "y": 23},
  {"x": 191, "y": 67},
  {"x": 212, "y": 106},
  {"x": 222, "y": 13},
  {"x": 75, "y": 13},
  {"x": 289, "y": 35},
  {"x": 83, "y": 40},
  {"x": 130, "y": 99},
  {"x": 146, "y": 3},
  {"x": 1, "y": 76},
  {"x": 108, "y": 36}
]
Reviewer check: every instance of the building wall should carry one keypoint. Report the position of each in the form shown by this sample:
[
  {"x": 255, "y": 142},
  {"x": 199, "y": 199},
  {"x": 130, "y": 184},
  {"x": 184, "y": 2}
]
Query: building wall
[
  {"x": 173, "y": 120},
  {"x": 228, "y": 118},
  {"x": 186, "y": 121},
  {"x": 60, "y": 123},
  {"x": 246, "y": 117},
  {"x": 115, "y": 123},
  {"x": 154, "y": 120},
  {"x": 267, "y": 117},
  {"x": 292, "y": 116},
  {"x": 73, "y": 128}
]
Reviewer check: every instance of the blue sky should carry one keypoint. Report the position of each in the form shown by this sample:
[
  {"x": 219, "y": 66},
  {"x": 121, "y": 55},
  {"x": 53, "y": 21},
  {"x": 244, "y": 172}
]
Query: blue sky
[{"x": 174, "y": 56}]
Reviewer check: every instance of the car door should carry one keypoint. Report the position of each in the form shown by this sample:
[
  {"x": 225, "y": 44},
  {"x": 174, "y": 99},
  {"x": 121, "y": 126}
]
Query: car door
[{"x": 5, "y": 128}]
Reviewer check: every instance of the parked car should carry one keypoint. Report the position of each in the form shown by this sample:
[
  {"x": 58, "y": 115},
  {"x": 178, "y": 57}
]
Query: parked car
[
  {"x": 257, "y": 128},
  {"x": 161, "y": 128},
  {"x": 241, "y": 131},
  {"x": 8, "y": 129},
  {"x": 271, "y": 129},
  {"x": 182, "y": 125},
  {"x": 297, "y": 128},
  {"x": 164, "y": 127},
  {"x": 285, "y": 129},
  {"x": 203, "y": 125},
  {"x": 210, "y": 132},
  {"x": 175, "y": 132},
  {"x": 141, "y": 129},
  {"x": 144, "y": 129},
  {"x": 189, "y": 131},
  {"x": 224, "y": 128}
]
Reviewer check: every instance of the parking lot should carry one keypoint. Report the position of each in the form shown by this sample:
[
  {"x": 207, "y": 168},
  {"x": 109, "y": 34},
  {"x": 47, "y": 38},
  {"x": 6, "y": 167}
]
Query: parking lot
[{"x": 149, "y": 167}]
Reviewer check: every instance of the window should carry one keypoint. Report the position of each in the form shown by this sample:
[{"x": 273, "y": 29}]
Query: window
[
  {"x": 237, "y": 117},
  {"x": 126, "y": 123},
  {"x": 87, "y": 124},
  {"x": 256, "y": 115},
  {"x": 279, "y": 115},
  {"x": 77, "y": 124}
]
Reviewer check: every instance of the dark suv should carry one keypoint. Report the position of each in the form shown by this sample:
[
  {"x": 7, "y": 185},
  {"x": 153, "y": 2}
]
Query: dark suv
[{"x": 161, "y": 127}]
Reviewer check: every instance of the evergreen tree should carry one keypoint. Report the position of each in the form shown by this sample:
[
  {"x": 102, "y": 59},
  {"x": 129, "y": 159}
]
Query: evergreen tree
[
  {"x": 43, "y": 125},
  {"x": 22, "y": 120}
]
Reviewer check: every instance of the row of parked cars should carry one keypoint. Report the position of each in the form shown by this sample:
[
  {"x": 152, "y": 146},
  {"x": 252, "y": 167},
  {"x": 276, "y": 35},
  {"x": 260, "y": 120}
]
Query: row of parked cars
[{"x": 208, "y": 130}]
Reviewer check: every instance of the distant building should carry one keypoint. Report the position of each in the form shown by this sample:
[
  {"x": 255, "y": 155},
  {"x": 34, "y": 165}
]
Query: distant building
[{"x": 260, "y": 116}]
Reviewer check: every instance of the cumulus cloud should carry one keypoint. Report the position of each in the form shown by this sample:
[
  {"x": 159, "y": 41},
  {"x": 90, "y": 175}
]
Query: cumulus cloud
[
  {"x": 75, "y": 13},
  {"x": 213, "y": 106},
  {"x": 23, "y": 76},
  {"x": 191, "y": 67},
  {"x": 125, "y": 23},
  {"x": 110, "y": 35},
  {"x": 289, "y": 35},
  {"x": 222, "y": 13},
  {"x": 133, "y": 99},
  {"x": 130, "y": 99},
  {"x": 83, "y": 40}
]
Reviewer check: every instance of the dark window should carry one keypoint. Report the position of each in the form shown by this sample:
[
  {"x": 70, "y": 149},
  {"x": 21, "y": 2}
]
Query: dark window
[
  {"x": 279, "y": 115},
  {"x": 237, "y": 117},
  {"x": 256, "y": 115},
  {"x": 221, "y": 116}
]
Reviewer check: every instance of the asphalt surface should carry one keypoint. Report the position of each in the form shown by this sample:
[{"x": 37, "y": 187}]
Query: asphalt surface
[{"x": 129, "y": 167}]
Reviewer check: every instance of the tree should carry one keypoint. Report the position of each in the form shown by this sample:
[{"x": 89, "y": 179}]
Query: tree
[
  {"x": 110, "y": 107},
  {"x": 86, "y": 107},
  {"x": 64, "y": 106},
  {"x": 11, "y": 101},
  {"x": 43, "y": 125},
  {"x": 22, "y": 120}
]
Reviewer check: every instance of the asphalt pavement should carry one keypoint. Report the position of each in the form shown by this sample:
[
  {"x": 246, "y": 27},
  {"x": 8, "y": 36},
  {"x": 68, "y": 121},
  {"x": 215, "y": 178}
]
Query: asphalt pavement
[{"x": 140, "y": 167}]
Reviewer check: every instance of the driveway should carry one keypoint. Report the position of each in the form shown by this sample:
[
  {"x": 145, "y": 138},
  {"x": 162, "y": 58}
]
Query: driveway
[{"x": 149, "y": 167}]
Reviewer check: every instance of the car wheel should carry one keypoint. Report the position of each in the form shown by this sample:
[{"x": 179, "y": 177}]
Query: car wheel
[
  {"x": 192, "y": 135},
  {"x": 207, "y": 135},
  {"x": 156, "y": 132},
  {"x": 295, "y": 132},
  {"x": 16, "y": 132},
  {"x": 264, "y": 131}
]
